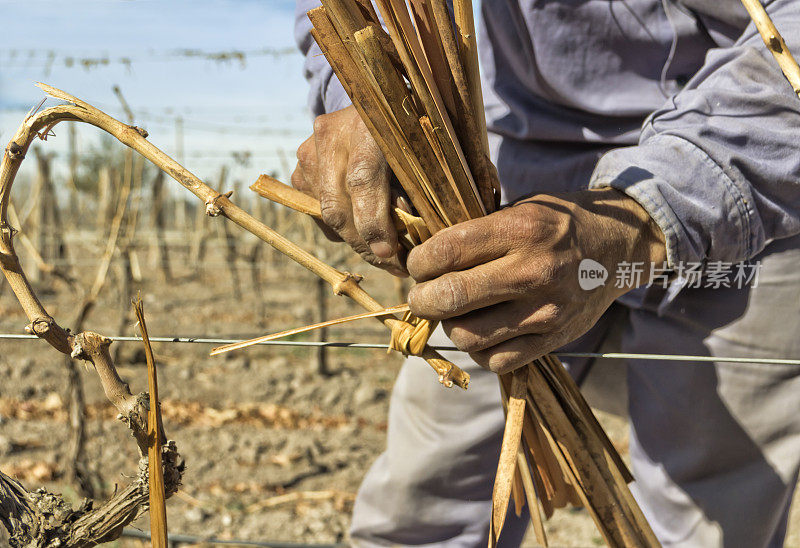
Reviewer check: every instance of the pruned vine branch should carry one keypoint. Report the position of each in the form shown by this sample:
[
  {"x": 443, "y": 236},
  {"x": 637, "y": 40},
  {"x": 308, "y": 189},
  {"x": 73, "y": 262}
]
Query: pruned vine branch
[
  {"x": 216, "y": 204},
  {"x": 774, "y": 42},
  {"x": 42, "y": 519}
]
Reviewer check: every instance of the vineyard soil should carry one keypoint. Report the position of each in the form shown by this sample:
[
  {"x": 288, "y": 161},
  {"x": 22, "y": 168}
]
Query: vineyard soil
[{"x": 274, "y": 450}]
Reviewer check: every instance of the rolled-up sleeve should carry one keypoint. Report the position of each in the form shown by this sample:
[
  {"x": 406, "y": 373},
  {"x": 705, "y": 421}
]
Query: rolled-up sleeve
[
  {"x": 718, "y": 167},
  {"x": 326, "y": 93}
]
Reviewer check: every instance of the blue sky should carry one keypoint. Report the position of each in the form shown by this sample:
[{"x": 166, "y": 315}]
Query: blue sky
[{"x": 258, "y": 106}]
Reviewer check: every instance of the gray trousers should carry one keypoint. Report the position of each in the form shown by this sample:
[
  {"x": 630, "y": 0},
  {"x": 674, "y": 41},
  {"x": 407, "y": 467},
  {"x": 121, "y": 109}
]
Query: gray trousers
[{"x": 715, "y": 447}]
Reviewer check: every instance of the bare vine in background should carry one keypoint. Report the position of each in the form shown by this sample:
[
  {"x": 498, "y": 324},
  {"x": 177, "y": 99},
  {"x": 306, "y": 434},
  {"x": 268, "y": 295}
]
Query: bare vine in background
[{"x": 40, "y": 518}]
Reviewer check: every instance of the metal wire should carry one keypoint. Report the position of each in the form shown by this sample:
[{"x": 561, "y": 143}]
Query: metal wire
[
  {"x": 206, "y": 340},
  {"x": 382, "y": 346}
]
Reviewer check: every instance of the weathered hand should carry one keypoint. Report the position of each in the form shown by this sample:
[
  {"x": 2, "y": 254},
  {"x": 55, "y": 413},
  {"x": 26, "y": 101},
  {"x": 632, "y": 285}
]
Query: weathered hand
[
  {"x": 506, "y": 285},
  {"x": 342, "y": 166}
]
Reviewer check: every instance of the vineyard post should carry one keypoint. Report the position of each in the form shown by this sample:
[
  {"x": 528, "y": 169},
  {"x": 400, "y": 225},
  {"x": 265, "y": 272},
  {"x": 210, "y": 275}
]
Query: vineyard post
[
  {"x": 72, "y": 181},
  {"x": 229, "y": 240},
  {"x": 160, "y": 246}
]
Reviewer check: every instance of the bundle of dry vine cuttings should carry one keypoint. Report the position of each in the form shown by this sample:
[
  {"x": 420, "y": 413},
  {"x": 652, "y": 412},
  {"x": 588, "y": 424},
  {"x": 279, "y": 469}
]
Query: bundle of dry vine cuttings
[{"x": 417, "y": 88}]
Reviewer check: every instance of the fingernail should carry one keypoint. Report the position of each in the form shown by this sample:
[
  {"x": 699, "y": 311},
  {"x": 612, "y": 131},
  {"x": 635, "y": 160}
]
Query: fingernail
[{"x": 381, "y": 249}]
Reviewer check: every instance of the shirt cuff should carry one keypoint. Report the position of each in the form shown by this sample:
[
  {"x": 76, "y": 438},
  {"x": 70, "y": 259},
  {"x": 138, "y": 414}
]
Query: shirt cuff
[{"x": 704, "y": 213}]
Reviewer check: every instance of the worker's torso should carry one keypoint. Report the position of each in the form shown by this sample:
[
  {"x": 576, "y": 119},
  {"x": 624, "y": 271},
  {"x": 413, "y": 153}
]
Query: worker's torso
[{"x": 567, "y": 79}]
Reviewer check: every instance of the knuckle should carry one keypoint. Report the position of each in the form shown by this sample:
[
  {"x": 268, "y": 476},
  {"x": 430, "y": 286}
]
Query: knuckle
[
  {"x": 530, "y": 225},
  {"x": 503, "y": 362},
  {"x": 452, "y": 294},
  {"x": 296, "y": 179},
  {"x": 536, "y": 224},
  {"x": 549, "y": 271},
  {"x": 306, "y": 153},
  {"x": 448, "y": 250},
  {"x": 552, "y": 314},
  {"x": 334, "y": 215},
  {"x": 321, "y": 124},
  {"x": 498, "y": 363},
  {"x": 520, "y": 281},
  {"x": 362, "y": 177},
  {"x": 370, "y": 205},
  {"x": 528, "y": 277},
  {"x": 546, "y": 319}
]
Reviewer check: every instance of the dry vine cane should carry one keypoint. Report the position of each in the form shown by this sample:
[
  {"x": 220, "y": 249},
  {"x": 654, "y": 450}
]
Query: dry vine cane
[
  {"x": 41, "y": 518},
  {"x": 217, "y": 204}
]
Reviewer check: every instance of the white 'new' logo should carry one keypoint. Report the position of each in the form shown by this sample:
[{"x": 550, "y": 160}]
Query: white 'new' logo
[{"x": 591, "y": 274}]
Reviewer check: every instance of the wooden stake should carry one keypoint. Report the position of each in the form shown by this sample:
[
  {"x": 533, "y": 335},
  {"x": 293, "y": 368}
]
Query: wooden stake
[
  {"x": 159, "y": 220},
  {"x": 321, "y": 355}
]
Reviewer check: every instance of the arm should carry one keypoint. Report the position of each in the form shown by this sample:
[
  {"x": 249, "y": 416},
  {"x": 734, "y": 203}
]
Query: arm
[
  {"x": 326, "y": 94},
  {"x": 715, "y": 177},
  {"x": 733, "y": 131}
]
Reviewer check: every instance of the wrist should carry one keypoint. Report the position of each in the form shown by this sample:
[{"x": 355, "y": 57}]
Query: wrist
[
  {"x": 631, "y": 239},
  {"x": 609, "y": 227}
]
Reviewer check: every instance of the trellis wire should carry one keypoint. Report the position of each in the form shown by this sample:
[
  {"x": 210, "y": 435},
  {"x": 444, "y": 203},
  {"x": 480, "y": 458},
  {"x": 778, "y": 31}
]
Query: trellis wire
[{"x": 380, "y": 346}]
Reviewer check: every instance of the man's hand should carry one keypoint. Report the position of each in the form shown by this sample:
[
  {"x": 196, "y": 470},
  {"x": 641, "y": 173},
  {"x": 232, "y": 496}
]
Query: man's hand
[
  {"x": 342, "y": 166},
  {"x": 506, "y": 285}
]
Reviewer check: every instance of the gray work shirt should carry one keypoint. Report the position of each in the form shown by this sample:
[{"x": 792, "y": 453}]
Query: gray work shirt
[{"x": 677, "y": 103}]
